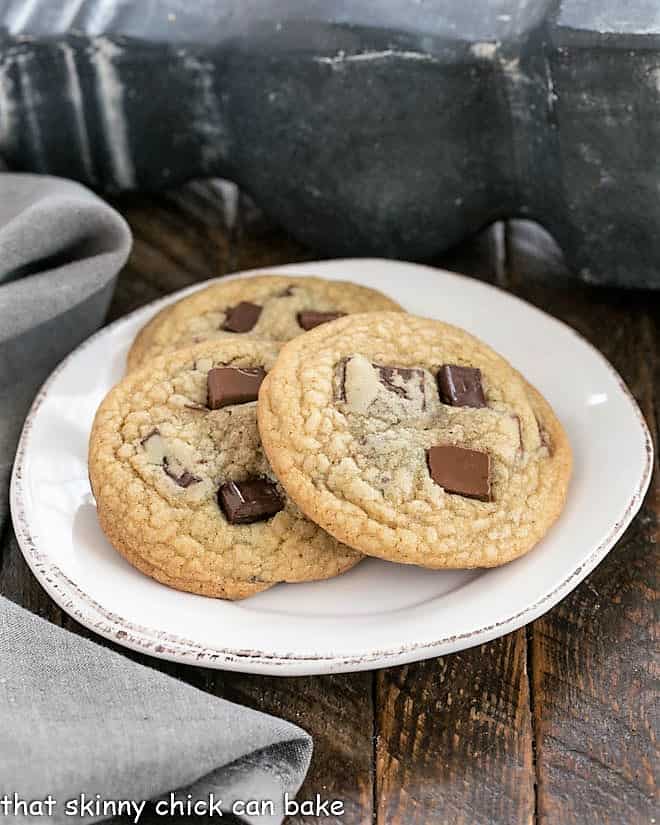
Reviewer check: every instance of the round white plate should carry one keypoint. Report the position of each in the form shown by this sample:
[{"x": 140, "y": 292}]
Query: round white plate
[{"x": 377, "y": 614}]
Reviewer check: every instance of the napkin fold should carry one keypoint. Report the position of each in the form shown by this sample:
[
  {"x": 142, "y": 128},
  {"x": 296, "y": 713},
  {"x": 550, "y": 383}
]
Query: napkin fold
[
  {"x": 78, "y": 719},
  {"x": 80, "y": 722},
  {"x": 61, "y": 248}
]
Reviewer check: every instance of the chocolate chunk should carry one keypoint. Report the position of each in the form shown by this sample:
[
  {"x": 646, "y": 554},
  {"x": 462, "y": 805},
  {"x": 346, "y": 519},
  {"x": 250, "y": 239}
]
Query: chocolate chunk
[
  {"x": 516, "y": 418},
  {"x": 461, "y": 386},
  {"x": 287, "y": 292},
  {"x": 462, "y": 471},
  {"x": 340, "y": 379},
  {"x": 402, "y": 380},
  {"x": 155, "y": 431},
  {"x": 186, "y": 479},
  {"x": 154, "y": 447},
  {"x": 309, "y": 318},
  {"x": 231, "y": 385},
  {"x": 544, "y": 435},
  {"x": 181, "y": 476},
  {"x": 242, "y": 317},
  {"x": 244, "y": 502},
  {"x": 359, "y": 383}
]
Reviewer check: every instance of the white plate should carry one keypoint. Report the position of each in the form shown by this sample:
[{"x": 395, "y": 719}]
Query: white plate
[{"x": 377, "y": 614}]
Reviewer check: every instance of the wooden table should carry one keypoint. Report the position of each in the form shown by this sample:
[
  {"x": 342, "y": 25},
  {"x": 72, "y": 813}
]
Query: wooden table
[{"x": 551, "y": 724}]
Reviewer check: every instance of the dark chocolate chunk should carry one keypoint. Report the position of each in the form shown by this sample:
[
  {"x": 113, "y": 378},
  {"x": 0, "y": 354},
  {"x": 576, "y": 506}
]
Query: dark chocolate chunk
[
  {"x": 520, "y": 434},
  {"x": 460, "y": 386},
  {"x": 154, "y": 446},
  {"x": 181, "y": 476},
  {"x": 242, "y": 317},
  {"x": 233, "y": 385},
  {"x": 460, "y": 470},
  {"x": 544, "y": 435},
  {"x": 244, "y": 502},
  {"x": 186, "y": 479},
  {"x": 309, "y": 318},
  {"x": 340, "y": 378},
  {"x": 155, "y": 431},
  {"x": 401, "y": 379}
]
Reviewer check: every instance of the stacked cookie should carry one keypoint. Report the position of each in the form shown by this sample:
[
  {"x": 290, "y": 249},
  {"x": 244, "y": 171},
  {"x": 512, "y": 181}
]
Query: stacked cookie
[{"x": 276, "y": 429}]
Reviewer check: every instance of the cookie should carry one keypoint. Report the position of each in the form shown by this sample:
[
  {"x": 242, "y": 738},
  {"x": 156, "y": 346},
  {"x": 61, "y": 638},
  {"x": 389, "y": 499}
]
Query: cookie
[
  {"x": 411, "y": 440},
  {"x": 183, "y": 489},
  {"x": 273, "y": 307}
]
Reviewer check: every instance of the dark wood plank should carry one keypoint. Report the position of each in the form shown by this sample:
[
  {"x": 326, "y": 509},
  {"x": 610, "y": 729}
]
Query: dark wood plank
[
  {"x": 455, "y": 739},
  {"x": 203, "y": 230},
  {"x": 595, "y": 691},
  {"x": 595, "y": 706},
  {"x": 18, "y": 584}
]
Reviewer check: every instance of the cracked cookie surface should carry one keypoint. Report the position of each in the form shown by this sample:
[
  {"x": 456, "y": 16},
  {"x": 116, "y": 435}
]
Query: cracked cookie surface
[
  {"x": 168, "y": 473},
  {"x": 273, "y": 307},
  {"x": 366, "y": 418}
]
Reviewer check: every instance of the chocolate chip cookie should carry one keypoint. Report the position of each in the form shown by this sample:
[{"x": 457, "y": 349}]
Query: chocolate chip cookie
[
  {"x": 273, "y": 307},
  {"x": 411, "y": 440},
  {"x": 182, "y": 486}
]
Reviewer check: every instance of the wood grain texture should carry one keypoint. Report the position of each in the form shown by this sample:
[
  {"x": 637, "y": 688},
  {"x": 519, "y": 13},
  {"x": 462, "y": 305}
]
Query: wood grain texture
[
  {"x": 593, "y": 674},
  {"x": 18, "y": 584},
  {"x": 455, "y": 739},
  {"x": 203, "y": 230}
]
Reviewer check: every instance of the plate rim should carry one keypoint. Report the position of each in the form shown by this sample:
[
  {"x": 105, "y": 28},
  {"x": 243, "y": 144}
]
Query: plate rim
[{"x": 161, "y": 644}]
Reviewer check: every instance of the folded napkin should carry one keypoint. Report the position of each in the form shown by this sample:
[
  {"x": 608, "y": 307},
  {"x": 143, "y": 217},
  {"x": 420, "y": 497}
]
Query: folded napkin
[
  {"x": 60, "y": 250},
  {"x": 81, "y": 723}
]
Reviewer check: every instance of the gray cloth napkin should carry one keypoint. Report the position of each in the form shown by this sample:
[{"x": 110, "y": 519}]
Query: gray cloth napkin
[
  {"x": 78, "y": 720},
  {"x": 60, "y": 251}
]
